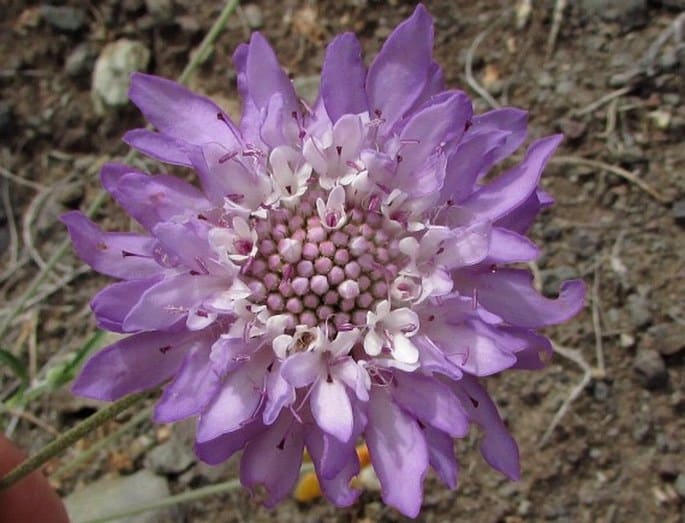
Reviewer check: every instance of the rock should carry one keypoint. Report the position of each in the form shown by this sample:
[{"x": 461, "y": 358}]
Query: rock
[
  {"x": 6, "y": 119},
  {"x": 552, "y": 278},
  {"x": 79, "y": 61},
  {"x": 573, "y": 129},
  {"x": 629, "y": 13},
  {"x": 678, "y": 211},
  {"x": 253, "y": 16},
  {"x": 642, "y": 430},
  {"x": 601, "y": 391},
  {"x": 565, "y": 87},
  {"x": 638, "y": 308},
  {"x": 666, "y": 338},
  {"x": 680, "y": 485},
  {"x": 585, "y": 243},
  {"x": 161, "y": 10},
  {"x": 668, "y": 467},
  {"x": 113, "y": 70},
  {"x": 171, "y": 457},
  {"x": 64, "y": 18},
  {"x": 545, "y": 79},
  {"x": 111, "y": 495},
  {"x": 650, "y": 369}
]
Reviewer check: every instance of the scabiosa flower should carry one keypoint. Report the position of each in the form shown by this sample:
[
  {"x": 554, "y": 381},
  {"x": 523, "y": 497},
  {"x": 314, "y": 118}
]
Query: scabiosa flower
[{"x": 340, "y": 275}]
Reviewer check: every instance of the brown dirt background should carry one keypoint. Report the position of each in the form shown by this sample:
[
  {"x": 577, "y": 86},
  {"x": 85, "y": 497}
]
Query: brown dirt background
[{"x": 618, "y": 453}]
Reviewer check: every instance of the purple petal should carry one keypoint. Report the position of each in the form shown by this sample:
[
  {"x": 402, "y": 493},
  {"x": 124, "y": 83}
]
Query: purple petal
[
  {"x": 521, "y": 218},
  {"x": 332, "y": 409},
  {"x": 432, "y": 402},
  {"x": 398, "y": 453},
  {"x": 279, "y": 393},
  {"x": 166, "y": 302},
  {"x": 187, "y": 242},
  {"x": 223, "y": 175},
  {"x": 473, "y": 155},
  {"x": 158, "y": 146},
  {"x": 423, "y": 135},
  {"x": 343, "y": 77},
  {"x": 472, "y": 350},
  {"x": 218, "y": 450},
  {"x": 400, "y": 71},
  {"x": 535, "y": 351},
  {"x": 354, "y": 376},
  {"x": 433, "y": 359},
  {"x": 133, "y": 364},
  {"x": 235, "y": 405},
  {"x": 278, "y": 127},
  {"x": 260, "y": 77},
  {"x": 193, "y": 388},
  {"x": 303, "y": 368},
  {"x": 508, "y": 191},
  {"x": 122, "y": 255},
  {"x": 513, "y": 121},
  {"x": 509, "y": 293},
  {"x": 151, "y": 199},
  {"x": 335, "y": 487},
  {"x": 441, "y": 455},
  {"x": 434, "y": 85},
  {"x": 510, "y": 247},
  {"x": 180, "y": 113},
  {"x": 113, "y": 303},
  {"x": 251, "y": 119},
  {"x": 497, "y": 447},
  {"x": 273, "y": 459}
]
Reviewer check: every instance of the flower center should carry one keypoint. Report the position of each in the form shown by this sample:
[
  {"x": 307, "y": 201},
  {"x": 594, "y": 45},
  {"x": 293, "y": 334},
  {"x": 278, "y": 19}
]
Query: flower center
[{"x": 318, "y": 274}]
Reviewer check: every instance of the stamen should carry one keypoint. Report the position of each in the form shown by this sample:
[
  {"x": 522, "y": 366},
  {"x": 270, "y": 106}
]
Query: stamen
[{"x": 228, "y": 156}]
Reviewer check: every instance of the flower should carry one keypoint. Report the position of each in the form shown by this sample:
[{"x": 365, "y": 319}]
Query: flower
[{"x": 341, "y": 273}]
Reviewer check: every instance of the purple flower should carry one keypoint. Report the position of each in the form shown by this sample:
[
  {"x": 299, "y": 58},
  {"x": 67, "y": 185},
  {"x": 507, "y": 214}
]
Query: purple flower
[{"x": 341, "y": 273}]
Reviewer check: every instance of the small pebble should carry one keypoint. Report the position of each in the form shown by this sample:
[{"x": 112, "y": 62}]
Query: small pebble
[
  {"x": 650, "y": 369},
  {"x": 64, "y": 18}
]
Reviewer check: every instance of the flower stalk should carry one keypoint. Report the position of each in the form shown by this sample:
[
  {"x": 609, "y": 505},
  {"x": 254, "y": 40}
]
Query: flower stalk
[{"x": 70, "y": 437}]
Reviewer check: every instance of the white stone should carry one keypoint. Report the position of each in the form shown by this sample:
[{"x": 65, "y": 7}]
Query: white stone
[{"x": 112, "y": 73}]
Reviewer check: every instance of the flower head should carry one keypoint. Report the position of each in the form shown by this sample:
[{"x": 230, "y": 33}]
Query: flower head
[{"x": 340, "y": 274}]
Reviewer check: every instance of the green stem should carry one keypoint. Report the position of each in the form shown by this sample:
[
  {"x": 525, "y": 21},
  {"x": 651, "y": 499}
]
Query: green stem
[
  {"x": 96, "y": 447},
  {"x": 201, "y": 54},
  {"x": 62, "y": 248},
  {"x": 70, "y": 437}
]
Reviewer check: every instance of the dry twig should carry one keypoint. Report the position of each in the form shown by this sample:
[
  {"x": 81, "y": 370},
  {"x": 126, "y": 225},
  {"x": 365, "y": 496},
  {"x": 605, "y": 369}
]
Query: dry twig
[
  {"x": 468, "y": 71},
  {"x": 601, "y": 101},
  {"x": 557, "y": 19},
  {"x": 19, "y": 180},
  {"x": 575, "y": 356},
  {"x": 614, "y": 169},
  {"x": 600, "y": 370},
  {"x": 13, "y": 249}
]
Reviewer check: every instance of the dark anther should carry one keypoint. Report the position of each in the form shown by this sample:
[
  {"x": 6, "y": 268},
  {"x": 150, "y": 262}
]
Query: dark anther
[
  {"x": 339, "y": 149},
  {"x": 281, "y": 445},
  {"x": 165, "y": 349},
  {"x": 474, "y": 402},
  {"x": 399, "y": 158}
]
